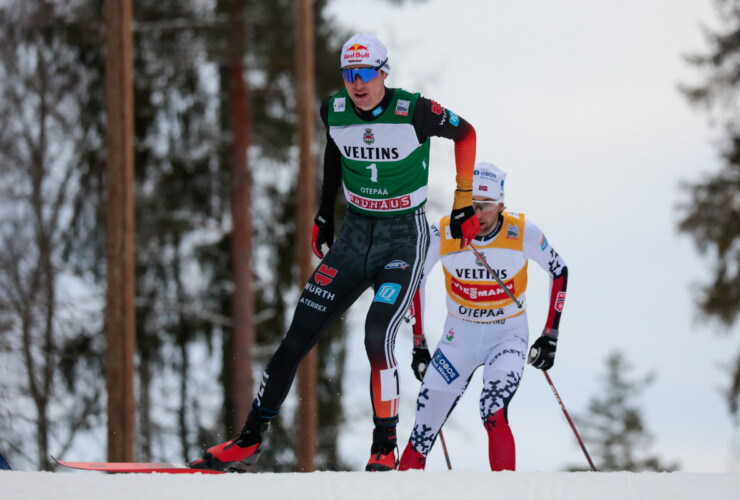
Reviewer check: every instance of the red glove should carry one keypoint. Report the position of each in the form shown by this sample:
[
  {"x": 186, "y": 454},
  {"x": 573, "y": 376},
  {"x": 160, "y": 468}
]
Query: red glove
[
  {"x": 322, "y": 232},
  {"x": 464, "y": 225}
]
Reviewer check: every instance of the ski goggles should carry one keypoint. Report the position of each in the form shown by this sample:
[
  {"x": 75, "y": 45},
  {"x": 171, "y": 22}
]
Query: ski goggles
[
  {"x": 365, "y": 74},
  {"x": 485, "y": 205}
]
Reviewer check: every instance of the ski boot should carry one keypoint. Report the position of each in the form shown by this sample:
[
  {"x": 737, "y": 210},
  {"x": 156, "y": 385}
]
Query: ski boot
[
  {"x": 237, "y": 454},
  {"x": 383, "y": 450},
  {"x": 412, "y": 459}
]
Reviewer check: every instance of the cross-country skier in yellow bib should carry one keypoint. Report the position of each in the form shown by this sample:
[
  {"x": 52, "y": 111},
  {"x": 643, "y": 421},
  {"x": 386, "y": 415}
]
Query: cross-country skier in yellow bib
[{"x": 484, "y": 326}]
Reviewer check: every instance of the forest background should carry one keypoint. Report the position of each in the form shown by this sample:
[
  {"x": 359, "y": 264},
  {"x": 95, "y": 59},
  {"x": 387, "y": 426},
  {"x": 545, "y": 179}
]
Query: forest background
[{"x": 587, "y": 115}]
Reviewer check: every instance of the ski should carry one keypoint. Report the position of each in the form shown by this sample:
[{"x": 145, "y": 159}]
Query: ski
[{"x": 137, "y": 467}]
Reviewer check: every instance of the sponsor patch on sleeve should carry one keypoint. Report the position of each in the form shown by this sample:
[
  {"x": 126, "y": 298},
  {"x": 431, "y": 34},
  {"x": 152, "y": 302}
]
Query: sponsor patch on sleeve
[
  {"x": 560, "y": 301},
  {"x": 454, "y": 119}
]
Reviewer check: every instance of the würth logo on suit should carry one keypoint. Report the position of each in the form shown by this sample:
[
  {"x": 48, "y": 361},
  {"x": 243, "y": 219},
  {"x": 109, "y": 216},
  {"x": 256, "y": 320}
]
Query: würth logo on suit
[{"x": 324, "y": 275}]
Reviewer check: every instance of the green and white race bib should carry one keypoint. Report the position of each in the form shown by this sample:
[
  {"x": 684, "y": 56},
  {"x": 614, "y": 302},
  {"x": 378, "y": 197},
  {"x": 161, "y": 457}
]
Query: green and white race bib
[{"x": 385, "y": 169}]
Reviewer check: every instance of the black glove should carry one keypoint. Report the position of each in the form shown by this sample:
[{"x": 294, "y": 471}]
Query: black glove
[
  {"x": 542, "y": 352},
  {"x": 420, "y": 361},
  {"x": 464, "y": 225},
  {"x": 322, "y": 232}
]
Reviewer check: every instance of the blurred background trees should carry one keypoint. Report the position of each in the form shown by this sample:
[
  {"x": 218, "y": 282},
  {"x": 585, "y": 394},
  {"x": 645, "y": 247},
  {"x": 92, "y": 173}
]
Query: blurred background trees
[
  {"x": 52, "y": 263},
  {"x": 50, "y": 152},
  {"x": 613, "y": 427},
  {"x": 52, "y": 229},
  {"x": 711, "y": 213}
]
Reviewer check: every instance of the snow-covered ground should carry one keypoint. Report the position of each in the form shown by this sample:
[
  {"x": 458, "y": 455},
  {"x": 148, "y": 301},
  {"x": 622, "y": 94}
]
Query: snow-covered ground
[{"x": 362, "y": 485}]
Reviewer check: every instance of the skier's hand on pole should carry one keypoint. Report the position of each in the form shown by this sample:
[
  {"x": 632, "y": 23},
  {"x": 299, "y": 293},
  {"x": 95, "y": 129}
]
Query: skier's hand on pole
[
  {"x": 421, "y": 361},
  {"x": 464, "y": 225},
  {"x": 421, "y": 357},
  {"x": 542, "y": 352},
  {"x": 322, "y": 232}
]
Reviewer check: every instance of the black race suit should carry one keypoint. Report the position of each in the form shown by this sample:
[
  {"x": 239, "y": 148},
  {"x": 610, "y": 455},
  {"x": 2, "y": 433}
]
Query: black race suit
[{"x": 385, "y": 252}]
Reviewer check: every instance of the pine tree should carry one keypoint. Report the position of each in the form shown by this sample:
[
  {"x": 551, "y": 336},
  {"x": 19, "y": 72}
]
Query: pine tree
[
  {"x": 613, "y": 429},
  {"x": 711, "y": 214}
]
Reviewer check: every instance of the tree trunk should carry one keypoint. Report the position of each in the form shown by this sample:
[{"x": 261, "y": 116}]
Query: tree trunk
[
  {"x": 241, "y": 238},
  {"x": 307, "y": 372},
  {"x": 120, "y": 233}
]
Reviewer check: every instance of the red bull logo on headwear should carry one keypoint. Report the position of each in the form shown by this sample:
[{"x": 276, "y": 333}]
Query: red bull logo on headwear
[
  {"x": 364, "y": 49},
  {"x": 356, "y": 52}
]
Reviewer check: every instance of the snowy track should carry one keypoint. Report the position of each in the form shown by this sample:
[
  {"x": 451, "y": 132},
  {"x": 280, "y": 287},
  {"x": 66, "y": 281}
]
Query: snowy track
[{"x": 363, "y": 485}]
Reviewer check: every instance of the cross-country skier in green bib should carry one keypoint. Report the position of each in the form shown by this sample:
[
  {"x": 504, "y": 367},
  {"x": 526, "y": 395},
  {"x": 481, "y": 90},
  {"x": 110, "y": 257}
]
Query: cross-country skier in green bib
[{"x": 378, "y": 151}]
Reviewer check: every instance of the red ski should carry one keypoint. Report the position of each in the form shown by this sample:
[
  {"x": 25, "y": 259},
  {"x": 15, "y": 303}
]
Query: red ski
[{"x": 137, "y": 467}]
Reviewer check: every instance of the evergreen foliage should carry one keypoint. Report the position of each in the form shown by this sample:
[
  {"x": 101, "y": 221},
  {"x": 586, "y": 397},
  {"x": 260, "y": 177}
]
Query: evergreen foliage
[
  {"x": 711, "y": 214},
  {"x": 613, "y": 429}
]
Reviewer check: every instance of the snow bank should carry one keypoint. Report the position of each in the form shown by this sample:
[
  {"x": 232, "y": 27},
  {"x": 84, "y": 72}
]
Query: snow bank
[{"x": 375, "y": 486}]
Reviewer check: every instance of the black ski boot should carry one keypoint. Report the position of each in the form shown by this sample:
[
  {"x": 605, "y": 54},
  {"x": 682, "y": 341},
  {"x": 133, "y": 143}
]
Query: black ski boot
[{"x": 383, "y": 450}]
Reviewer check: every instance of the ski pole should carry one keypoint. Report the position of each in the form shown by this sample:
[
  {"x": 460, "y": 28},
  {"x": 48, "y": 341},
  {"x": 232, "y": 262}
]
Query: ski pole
[
  {"x": 412, "y": 321},
  {"x": 444, "y": 447},
  {"x": 495, "y": 276},
  {"x": 572, "y": 425}
]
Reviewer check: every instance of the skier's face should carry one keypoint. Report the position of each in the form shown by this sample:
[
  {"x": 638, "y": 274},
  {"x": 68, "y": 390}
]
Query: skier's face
[
  {"x": 366, "y": 95},
  {"x": 487, "y": 210}
]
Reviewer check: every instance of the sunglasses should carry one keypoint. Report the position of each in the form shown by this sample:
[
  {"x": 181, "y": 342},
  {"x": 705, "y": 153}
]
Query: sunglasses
[
  {"x": 365, "y": 74},
  {"x": 484, "y": 205}
]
